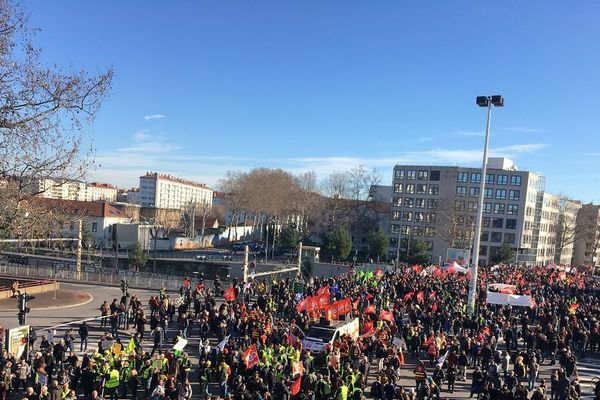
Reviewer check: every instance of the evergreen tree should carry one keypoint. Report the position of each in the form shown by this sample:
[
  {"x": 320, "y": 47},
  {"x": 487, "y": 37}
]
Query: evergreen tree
[
  {"x": 338, "y": 243},
  {"x": 137, "y": 258},
  {"x": 378, "y": 243},
  {"x": 503, "y": 254}
]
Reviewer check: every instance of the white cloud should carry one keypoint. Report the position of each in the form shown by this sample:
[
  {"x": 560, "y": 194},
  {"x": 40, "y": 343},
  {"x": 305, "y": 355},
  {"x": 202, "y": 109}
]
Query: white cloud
[
  {"x": 523, "y": 129},
  {"x": 154, "y": 116}
]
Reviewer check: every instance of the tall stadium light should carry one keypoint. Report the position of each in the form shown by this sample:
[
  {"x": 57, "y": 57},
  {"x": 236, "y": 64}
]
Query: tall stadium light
[{"x": 481, "y": 101}]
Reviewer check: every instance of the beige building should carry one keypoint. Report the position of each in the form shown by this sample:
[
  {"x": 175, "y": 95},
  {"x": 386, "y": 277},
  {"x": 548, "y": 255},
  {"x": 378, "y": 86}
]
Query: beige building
[
  {"x": 587, "y": 244},
  {"x": 101, "y": 192},
  {"x": 439, "y": 205},
  {"x": 166, "y": 191}
]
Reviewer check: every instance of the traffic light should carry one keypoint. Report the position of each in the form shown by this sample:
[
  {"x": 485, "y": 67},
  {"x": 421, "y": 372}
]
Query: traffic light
[{"x": 23, "y": 307}]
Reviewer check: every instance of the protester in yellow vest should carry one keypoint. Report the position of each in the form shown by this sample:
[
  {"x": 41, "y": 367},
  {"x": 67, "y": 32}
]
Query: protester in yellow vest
[{"x": 112, "y": 384}]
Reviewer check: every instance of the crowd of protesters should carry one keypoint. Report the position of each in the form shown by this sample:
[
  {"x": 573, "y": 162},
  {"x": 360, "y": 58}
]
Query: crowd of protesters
[{"x": 414, "y": 323}]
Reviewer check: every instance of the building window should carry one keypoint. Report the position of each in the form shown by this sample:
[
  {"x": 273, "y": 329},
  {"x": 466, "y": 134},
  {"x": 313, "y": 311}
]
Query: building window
[
  {"x": 509, "y": 238},
  {"x": 431, "y": 217},
  {"x": 396, "y": 215},
  {"x": 497, "y": 223},
  {"x": 473, "y": 191},
  {"x": 432, "y": 203},
  {"x": 512, "y": 209},
  {"x": 407, "y": 216},
  {"x": 483, "y": 250},
  {"x": 514, "y": 195},
  {"x": 419, "y": 217},
  {"x": 434, "y": 176},
  {"x": 94, "y": 227},
  {"x": 496, "y": 237},
  {"x": 420, "y": 203},
  {"x": 417, "y": 231},
  {"x": 423, "y": 175},
  {"x": 411, "y": 175},
  {"x": 499, "y": 208},
  {"x": 489, "y": 179},
  {"x": 463, "y": 177},
  {"x": 421, "y": 189},
  {"x": 399, "y": 174},
  {"x": 405, "y": 229},
  {"x": 487, "y": 207},
  {"x": 429, "y": 231},
  {"x": 409, "y": 202},
  {"x": 502, "y": 179},
  {"x": 410, "y": 188},
  {"x": 472, "y": 206},
  {"x": 511, "y": 223},
  {"x": 395, "y": 228},
  {"x": 485, "y": 222},
  {"x": 485, "y": 236},
  {"x": 489, "y": 193},
  {"x": 475, "y": 177},
  {"x": 500, "y": 194},
  {"x": 434, "y": 189},
  {"x": 515, "y": 180},
  {"x": 459, "y": 205},
  {"x": 461, "y": 190},
  {"x": 397, "y": 201}
]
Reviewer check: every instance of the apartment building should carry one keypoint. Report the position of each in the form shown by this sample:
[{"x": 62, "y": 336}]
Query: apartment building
[
  {"x": 165, "y": 191},
  {"x": 586, "y": 249},
  {"x": 438, "y": 204},
  {"x": 101, "y": 192}
]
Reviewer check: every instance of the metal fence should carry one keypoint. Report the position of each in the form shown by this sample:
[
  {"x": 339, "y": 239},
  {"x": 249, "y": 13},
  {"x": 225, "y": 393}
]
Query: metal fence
[{"x": 139, "y": 280}]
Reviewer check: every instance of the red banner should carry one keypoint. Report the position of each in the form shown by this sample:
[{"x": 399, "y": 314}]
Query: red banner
[
  {"x": 250, "y": 357},
  {"x": 339, "y": 308},
  {"x": 371, "y": 309},
  {"x": 313, "y": 304},
  {"x": 368, "y": 327},
  {"x": 230, "y": 294}
]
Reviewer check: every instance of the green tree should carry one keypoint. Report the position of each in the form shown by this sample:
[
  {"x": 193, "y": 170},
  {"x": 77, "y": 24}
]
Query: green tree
[
  {"x": 289, "y": 237},
  {"x": 137, "y": 258},
  {"x": 502, "y": 254},
  {"x": 418, "y": 252},
  {"x": 378, "y": 243},
  {"x": 338, "y": 243}
]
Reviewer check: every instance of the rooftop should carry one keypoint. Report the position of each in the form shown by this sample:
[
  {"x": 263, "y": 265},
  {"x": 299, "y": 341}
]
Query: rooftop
[{"x": 156, "y": 175}]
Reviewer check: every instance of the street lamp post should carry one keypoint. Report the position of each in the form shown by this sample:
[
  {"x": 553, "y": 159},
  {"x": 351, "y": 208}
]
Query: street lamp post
[{"x": 482, "y": 101}]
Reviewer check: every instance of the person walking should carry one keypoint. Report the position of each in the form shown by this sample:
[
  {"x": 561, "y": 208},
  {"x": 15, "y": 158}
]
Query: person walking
[{"x": 83, "y": 332}]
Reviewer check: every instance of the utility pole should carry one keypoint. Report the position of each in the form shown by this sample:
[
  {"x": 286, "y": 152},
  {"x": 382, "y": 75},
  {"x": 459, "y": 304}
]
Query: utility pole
[
  {"x": 398, "y": 248},
  {"x": 154, "y": 252},
  {"x": 79, "y": 244}
]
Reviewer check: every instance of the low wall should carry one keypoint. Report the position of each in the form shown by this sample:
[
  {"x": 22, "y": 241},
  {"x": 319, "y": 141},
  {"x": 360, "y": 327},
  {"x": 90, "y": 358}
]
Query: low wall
[{"x": 31, "y": 287}]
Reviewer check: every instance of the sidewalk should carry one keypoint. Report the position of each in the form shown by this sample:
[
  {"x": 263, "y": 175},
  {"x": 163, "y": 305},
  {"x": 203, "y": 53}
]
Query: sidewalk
[{"x": 64, "y": 298}]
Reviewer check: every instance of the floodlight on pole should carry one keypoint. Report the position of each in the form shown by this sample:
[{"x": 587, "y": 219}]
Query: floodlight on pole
[{"x": 481, "y": 101}]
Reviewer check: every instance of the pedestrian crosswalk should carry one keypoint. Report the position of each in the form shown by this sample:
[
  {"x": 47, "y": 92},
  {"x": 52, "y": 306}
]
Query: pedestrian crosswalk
[{"x": 588, "y": 371}]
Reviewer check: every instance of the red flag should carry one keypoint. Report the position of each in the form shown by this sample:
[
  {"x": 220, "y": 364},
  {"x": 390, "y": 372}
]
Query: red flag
[
  {"x": 434, "y": 307},
  {"x": 355, "y": 304},
  {"x": 420, "y": 296},
  {"x": 323, "y": 290},
  {"x": 379, "y": 273},
  {"x": 437, "y": 272},
  {"x": 386, "y": 315},
  {"x": 432, "y": 295},
  {"x": 417, "y": 268},
  {"x": 230, "y": 294},
  {"x": 368, "y": 327},
  {"x": 297, "y": 368},
  {"x": 486, "y": 331},
  {"x": 408, "y": 296},
  {"x": 573, "y": 308},
  {"x": 250, "y": 356},
  {"x": 370, "y": 309},
  {"x": 295, "y": 387}
]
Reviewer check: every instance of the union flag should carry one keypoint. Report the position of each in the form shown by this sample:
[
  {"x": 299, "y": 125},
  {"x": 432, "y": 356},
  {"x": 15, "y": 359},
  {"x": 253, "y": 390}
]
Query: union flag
[
  {"x": 250, "y": 357},
  {"x": 230, "y": 294}
]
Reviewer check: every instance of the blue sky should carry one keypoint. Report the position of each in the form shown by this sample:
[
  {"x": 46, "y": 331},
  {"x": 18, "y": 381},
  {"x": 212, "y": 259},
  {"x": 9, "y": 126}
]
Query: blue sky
[{"x": 203, "y": 87}]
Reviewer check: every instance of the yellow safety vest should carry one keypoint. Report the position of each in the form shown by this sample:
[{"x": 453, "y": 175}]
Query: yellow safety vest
[{"x": 113, "y": 379}]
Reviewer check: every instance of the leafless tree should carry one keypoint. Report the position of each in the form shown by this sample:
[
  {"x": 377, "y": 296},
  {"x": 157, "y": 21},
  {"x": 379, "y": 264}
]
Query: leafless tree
[
  {"x": 566, "y": 229},
  {"x": 43, "y": 114},
  {"x": 455, "y": 225}
]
